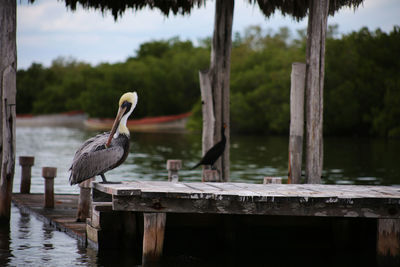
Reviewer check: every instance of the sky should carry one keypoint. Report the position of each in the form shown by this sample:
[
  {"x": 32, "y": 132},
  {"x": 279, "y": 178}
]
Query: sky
[{"x": 47, "y": 29}]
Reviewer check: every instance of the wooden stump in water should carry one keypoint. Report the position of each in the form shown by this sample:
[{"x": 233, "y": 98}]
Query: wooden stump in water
[
  {"x": 173, "y": 166},
  {"x": 49, "y": 173},
  {"x": 26, "y": 167},
  {"x": 211, "y": 176},
  {"x": 272, "y": 180}
]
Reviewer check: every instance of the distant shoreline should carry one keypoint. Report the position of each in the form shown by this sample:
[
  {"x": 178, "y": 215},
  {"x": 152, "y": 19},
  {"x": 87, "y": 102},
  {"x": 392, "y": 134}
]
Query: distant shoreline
[{"x": 78, "y": 119}]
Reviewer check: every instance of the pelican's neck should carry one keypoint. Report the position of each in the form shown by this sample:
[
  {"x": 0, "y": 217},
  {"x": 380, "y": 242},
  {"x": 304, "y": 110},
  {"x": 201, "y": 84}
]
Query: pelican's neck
[{"x": 122, "y": 129}]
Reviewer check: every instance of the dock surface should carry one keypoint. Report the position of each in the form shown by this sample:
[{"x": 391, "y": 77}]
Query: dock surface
[
  {"x": 260, "y": 199},
  {"x": 62, "y": 216}
]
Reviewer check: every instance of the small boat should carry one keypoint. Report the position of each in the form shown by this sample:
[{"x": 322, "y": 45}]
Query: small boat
[{"x": 169, "y": 123}]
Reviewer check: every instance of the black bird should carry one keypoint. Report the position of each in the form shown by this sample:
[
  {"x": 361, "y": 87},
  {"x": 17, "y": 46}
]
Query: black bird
[
  {"x": 105, "y": 151},
  {"x": 215, "y": 152}
]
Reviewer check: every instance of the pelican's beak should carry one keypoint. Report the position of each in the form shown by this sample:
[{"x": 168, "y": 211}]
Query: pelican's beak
[{"x": 121, "y": 112}]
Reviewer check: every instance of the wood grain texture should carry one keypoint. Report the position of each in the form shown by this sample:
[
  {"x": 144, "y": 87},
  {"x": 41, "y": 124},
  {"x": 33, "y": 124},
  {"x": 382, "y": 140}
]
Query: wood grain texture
[
  {"x": 315, "y": 58},
  {"x": 214, "y": 82},
  {"x": 296, "y": 121},
  {"x": 153, "y": 237},
  {"x": 388, "y": 242}
]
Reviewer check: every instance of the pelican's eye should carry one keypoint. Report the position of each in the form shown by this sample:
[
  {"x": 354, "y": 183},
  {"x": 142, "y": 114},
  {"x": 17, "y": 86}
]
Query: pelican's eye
[{"x": 126, "y": 105}]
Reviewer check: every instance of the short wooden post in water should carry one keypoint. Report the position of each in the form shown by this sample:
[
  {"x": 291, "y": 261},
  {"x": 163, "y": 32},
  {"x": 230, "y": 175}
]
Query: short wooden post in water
[
  {"x": 298, "y": 78},
  {"x": 153, "y": 237},
  {"x": 84, "y": 201},
  {"x": 272, "y": 180},
  {"x": 48, "y": 174},
  {"x": 26, "y": 166},
  {"x": 388, "y": 242},
  {"x": 173, "y": 166},
  {"x": 210, "y": 176}
]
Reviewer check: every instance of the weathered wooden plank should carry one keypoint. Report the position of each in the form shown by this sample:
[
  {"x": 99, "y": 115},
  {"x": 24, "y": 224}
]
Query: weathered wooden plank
[
  {"x": 377, "y": 208},
  {"x": 289, "y": 190}
]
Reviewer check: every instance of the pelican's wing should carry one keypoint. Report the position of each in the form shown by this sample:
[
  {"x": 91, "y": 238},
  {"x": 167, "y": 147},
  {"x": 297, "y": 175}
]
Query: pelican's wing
[
  {"x": 93, "y": 158},
  {"x": 92, "y": 144}
]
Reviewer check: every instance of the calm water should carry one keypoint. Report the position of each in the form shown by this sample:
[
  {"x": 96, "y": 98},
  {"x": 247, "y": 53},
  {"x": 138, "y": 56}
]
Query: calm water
[{"x": 30, "y": 242}]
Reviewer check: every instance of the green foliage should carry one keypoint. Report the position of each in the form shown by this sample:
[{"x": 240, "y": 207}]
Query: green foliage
[
  {"x": 164, "y": 73},
  {"x": 361, "y": 95},
  {"x": 362, "y": 88}
]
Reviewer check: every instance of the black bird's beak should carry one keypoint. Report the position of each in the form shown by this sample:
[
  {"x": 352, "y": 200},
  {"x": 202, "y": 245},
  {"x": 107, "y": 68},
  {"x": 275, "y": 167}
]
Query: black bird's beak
[{"x": 121, "y": 112}]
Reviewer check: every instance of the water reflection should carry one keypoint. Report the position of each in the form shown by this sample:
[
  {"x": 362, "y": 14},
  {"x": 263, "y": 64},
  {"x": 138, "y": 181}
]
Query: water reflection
[
  {"x": 346, "y": 160},
  {"x": 29, "y": 242}
]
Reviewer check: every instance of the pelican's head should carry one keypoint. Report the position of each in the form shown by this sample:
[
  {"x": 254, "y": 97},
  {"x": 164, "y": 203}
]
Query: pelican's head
[{"x": 127, "y": 104}]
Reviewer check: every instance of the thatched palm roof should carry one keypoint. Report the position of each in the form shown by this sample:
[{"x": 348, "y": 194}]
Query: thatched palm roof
[
  {"x": 299, "y": 8},
  {"x": 295, "y": 8}
]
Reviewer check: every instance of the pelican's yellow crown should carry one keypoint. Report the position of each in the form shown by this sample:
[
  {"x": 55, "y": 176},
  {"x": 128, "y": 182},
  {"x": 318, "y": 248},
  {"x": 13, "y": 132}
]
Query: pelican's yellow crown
[{"x": 130, "y": 97}]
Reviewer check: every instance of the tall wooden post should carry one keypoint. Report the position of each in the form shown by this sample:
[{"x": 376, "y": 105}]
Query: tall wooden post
[
  {"x": 296, "y": 121},
  {"x": 316, "y": 33},
  {"x": 8, "y": 68},
  {"x": 214, "y": 85}
]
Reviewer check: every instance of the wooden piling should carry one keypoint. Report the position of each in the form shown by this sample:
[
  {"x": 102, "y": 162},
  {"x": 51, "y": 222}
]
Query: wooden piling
[
  {"x": 214, "y": 85},
  {"x": 173, "y": 166},
  {"x": 84, "y": 201},
  {"x": 153, "y": 237},
  {"x": 48, "y": 174},
  {"x": 298, "y": 77},
  {"x": 388, "y": 242},
  {"x": 315, "y": 54},
  {"x": 26, "y": 167},
  {"x": 8, "y": 70},
  {"x": 272, "y": 180}
]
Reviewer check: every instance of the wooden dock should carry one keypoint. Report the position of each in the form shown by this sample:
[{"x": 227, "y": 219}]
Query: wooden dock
[
  {"x": 156, "y": 202},
  {"x": 256, "y": 199},
  {"x": 62, "y": 216},
  {"x": 148, "y": 218}
]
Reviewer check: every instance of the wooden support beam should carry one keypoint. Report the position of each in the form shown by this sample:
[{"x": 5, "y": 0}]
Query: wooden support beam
[
  {"x": 153, "y": 237},
  {"x": 8, "y": 69},
  {"x": 26, "y": 167},
  {"x": 49, "y": 173},
  {"x": 298, "y": 77},
  {"x": 315, "y": 54},
  {"x": 214, "y": 85},
  {"x": 173, "y": 166},
  {"x": 388, "y": 242}
]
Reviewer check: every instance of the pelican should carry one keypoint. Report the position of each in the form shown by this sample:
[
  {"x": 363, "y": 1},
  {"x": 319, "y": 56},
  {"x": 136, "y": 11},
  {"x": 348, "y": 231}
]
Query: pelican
[{"x": 105, "y": 151}]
